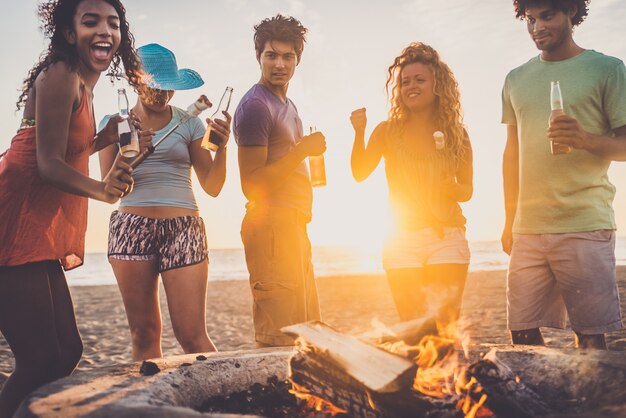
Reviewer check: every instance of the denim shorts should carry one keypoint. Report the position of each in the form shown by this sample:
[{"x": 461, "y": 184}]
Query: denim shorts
[
  {"x": 411, "y": 249},
  {"x": 553, "y": 277},
  {"x": 173, "y": 242}
]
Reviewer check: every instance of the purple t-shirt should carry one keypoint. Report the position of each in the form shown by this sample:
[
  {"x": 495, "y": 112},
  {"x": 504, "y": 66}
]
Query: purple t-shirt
[{"x": 262, "y": 119}]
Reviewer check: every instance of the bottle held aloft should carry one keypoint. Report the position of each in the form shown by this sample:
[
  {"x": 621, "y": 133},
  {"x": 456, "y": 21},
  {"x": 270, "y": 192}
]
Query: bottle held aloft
[
  {"x": 211, "y": 140},
  {"x": 129, "y": 140},
  {"x": 556, "y": 109},
  {"x": 198, "y": 106},
  {"x": 440, "y": 142},
  {"x": 317, "y": 166}
]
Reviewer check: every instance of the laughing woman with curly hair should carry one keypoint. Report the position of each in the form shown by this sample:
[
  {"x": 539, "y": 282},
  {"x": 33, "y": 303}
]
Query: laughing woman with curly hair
[
  {"x": 428, "y": 163},
  {"x": 44, "y": 186}
]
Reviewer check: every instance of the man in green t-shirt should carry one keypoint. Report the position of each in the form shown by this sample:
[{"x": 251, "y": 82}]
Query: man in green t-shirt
[{"x": 560, "y": 227}]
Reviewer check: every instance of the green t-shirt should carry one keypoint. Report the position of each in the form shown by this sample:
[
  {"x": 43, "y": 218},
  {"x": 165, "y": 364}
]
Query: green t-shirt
[{"x": 568, "y": 192}]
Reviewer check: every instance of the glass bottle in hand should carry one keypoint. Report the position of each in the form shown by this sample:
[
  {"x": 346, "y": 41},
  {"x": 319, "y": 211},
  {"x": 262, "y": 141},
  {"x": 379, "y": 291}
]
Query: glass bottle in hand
[
  {"x": 317, "y": 167},
  {"x": 211, "y": 140},
  {"x": 556, "y": 110},
  {"x": 129, "y": 141}
]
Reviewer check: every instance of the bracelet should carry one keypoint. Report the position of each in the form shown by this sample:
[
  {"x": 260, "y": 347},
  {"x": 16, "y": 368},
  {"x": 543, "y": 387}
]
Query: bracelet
[{"x": 26, "y": 123}]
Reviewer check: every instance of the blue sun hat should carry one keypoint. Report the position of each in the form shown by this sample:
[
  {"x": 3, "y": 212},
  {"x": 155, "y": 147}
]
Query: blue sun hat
[{"x": 159, "y": 64}]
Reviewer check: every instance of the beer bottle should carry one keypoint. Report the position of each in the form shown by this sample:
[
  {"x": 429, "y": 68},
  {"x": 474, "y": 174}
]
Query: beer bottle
[
  {"x": 129, "y": 141},
  {"x": 317, "y": 167},
  {"x": 556, "y": 109},
  {"x": 211, "y": 140}
]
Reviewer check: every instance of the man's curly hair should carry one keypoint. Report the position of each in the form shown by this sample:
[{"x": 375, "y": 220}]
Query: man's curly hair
[
  {"x": 280, "y": 28},
  {"x": 581, "y": 6}
]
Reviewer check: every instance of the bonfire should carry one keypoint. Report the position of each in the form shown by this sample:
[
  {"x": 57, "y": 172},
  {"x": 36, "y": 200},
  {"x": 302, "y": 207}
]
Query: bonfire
[{"x": 419, "y": 370}]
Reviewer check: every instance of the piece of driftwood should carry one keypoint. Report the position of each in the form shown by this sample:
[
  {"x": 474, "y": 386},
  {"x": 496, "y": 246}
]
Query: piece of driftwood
[
  {"x": 376, "y": 369},
  {"x": 567, "y": 382},
  {"x": 507, "y": 396},
  {"x": 601, "y": 412}
]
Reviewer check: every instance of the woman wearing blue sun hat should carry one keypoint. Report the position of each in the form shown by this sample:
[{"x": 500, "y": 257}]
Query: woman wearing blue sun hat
[{"x": 157, "y": 229}]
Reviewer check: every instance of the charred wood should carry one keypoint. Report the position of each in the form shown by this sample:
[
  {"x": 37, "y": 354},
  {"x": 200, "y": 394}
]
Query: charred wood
[
  {"x": 570, "y": 381},
  {"x": 322, "y": 378},
  {"x": 506, "y": 395}
]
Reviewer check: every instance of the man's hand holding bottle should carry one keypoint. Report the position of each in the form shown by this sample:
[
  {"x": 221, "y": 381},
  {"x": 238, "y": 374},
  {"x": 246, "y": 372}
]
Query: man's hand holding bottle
[{"x": 312, "y": 145}]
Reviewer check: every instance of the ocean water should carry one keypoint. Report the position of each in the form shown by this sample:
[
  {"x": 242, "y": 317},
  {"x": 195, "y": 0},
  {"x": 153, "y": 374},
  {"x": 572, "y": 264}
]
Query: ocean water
[{"x": 230, "y": 264}]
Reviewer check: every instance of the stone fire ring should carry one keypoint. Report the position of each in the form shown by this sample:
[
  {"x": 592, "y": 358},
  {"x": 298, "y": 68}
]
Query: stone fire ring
[{"x": 183, "y": 383}]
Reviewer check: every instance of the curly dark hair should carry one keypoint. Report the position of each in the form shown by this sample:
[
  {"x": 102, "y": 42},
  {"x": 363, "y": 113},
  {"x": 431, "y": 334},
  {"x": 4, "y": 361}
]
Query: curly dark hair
[
  {"x": 280, "y": 28},
  {"x": 57, "y": 17},
  {"x": 581, "y": 6}
]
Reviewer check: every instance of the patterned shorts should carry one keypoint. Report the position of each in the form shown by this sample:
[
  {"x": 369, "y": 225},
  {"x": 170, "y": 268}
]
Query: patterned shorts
[{"x": 173, "y": 242}]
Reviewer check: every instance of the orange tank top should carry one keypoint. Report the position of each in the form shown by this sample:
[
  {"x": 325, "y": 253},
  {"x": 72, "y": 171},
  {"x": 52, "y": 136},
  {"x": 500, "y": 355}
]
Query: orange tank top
[{"x": 38, "y": 221}]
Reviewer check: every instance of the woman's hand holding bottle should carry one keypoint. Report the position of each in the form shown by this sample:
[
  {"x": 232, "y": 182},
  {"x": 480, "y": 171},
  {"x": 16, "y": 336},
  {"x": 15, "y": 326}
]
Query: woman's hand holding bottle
[
  {"x": 221, "y": 128},
  {"x": 145, "y": 139},
  {"x": 118, "y": 182},
  {"x": 110, "y": 135}
]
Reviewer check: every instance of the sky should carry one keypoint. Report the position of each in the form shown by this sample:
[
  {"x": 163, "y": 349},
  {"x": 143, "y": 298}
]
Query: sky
[{"x": 349, "y": 47}]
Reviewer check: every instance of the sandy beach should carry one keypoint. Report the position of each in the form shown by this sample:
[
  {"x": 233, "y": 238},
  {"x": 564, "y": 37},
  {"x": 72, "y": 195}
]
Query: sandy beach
[{"x": 349, "y": 303}]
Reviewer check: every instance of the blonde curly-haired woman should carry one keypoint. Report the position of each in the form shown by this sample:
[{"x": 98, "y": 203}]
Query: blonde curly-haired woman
[{"x": 426, "y": 257}]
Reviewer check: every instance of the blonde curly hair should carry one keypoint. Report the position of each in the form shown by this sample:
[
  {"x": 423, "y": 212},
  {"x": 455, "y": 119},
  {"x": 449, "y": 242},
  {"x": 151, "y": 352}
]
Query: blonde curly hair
[{"x": 449, "y": 115}]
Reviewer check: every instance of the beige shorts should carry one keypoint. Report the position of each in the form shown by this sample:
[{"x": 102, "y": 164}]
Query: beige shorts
[
  {"x": 555, "y": 276},
  {"x": 278, "y": 256},
  {"x": 418, "y": 248}
]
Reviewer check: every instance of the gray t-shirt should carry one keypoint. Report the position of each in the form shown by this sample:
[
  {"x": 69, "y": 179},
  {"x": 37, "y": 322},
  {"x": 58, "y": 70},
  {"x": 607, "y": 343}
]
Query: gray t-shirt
[
  {"x": 262, "y": 119},
  {"x": 164, "y": 178}
]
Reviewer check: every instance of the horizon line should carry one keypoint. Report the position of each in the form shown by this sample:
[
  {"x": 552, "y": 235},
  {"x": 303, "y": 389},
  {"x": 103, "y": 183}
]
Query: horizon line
[{"x": 343, "y": 246}]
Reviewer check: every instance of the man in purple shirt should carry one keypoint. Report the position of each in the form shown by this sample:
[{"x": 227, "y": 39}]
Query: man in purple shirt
[{"x": 275, "y": 180}]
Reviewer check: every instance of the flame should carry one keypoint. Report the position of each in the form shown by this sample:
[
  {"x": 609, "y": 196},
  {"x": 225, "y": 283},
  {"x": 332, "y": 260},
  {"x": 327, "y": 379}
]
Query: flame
[
  {"x": 441, "y": 372},
  {"x": 313, "y": 402},
  {"x": 302, "y": 346},
  {"x": 438, "y": 367}
]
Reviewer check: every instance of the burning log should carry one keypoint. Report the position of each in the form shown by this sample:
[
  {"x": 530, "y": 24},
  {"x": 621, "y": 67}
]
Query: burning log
[
  {"x": 573, "y": 381},
  {"x": 316, "y": 375},
  {"x": 359, "y": 378},
  {"x": 510, "y": 381}
]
